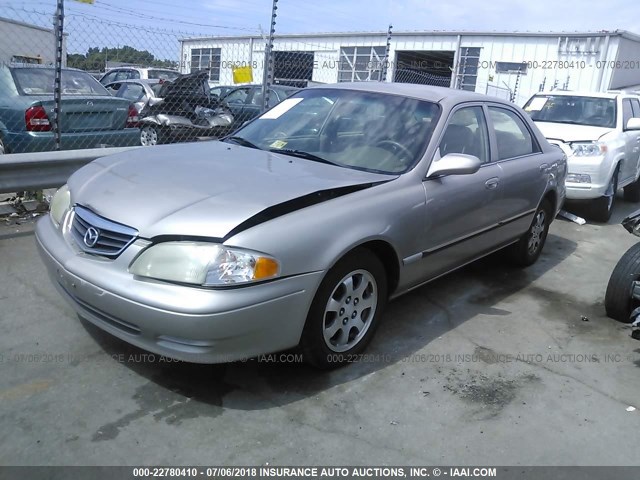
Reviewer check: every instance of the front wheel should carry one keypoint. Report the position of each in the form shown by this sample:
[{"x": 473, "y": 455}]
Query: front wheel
[
  {"x": 527, "y": 250},
  {"x": 345, "y": 311},
  {"x": 600, "y": 209},
  {"x": 618, "y": 301}
]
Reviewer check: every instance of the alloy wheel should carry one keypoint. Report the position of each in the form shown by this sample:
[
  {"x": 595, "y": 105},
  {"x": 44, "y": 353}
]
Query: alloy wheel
[
  {"x": 148, "y": 136},
  {"x": 537, "y": 232},
  {"x": 350, "y": 310}
]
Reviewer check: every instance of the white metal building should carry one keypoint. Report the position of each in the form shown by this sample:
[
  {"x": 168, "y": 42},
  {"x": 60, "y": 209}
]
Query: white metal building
[
  {"x": 24, "y": 43},
  {"x": 509, "y": 65}
]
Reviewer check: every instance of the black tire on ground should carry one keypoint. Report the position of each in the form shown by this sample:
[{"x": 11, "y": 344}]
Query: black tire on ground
[
  {"x": 313, "y": 345},
  {"x": 618, "y": 301},
  {"x": 600, "y": 209},
  {"x": 632, "y": 192},
  {"x": 527, "y": 250}
]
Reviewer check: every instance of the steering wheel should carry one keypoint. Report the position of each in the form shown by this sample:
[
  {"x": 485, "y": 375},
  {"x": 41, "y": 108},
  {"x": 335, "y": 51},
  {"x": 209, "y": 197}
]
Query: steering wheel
[{"x": 394, "y": 147}]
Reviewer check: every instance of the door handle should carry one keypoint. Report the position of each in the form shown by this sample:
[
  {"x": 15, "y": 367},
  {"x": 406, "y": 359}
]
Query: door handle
[
  {"x": 492, "y": 183},
  {"x": 544, "y": 168}
]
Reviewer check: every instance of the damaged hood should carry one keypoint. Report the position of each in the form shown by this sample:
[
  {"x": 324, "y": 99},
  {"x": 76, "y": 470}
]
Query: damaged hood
[
  {"x": 206, "y": 189},
  {"x": 191, "y": 84},
  {"x": 571, "y": 133}
]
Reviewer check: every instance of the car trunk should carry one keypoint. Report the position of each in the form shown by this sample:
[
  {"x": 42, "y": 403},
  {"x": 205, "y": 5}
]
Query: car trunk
[{"x": 89, "y": 114}]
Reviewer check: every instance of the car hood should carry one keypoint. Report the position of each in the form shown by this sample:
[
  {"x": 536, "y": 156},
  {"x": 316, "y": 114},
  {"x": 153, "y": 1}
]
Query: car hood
[
  {"x": 571, "y": 133},
  {"x": 208, "y": 189}
]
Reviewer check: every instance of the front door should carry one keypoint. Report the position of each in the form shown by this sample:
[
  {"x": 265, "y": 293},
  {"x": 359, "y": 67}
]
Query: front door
[{"x": 461, "y": 209}]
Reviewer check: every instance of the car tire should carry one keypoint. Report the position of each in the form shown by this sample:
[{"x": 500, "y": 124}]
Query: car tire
[
  {"x": 618, "y": 302},
  {"x": 632, "y": 192},
  {"x": 527, "y": 250},
  {"x": 151, "y": 135},
  {"x": 3, "y": 149},
  {"x": 336, "y": 328},
  {"x": 600, "y": 209}
]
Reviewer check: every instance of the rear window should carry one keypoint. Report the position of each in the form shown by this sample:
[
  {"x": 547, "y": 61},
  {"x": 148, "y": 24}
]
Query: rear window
[
  {"x": 39, "y": 81},
  {"x": 163, "y": 75}
]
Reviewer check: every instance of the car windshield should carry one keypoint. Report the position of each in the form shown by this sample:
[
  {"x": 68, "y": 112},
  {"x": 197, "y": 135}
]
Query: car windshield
[
  {"x": 362, "y": 130},
  {"x": 576, "y": 110},
  {"x": 163, "y": 75},
  {"x": 39, "y": 81}
]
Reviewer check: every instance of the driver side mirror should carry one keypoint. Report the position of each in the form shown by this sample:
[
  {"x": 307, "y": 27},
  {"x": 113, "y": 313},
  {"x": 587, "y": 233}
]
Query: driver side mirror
[
  {"x": 454, "y": 164},
  {"x": 633, "y": 124}
]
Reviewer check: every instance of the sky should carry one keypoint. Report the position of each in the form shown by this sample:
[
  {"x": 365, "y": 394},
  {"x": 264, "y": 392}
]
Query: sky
[{"x": 138, "y": 22}]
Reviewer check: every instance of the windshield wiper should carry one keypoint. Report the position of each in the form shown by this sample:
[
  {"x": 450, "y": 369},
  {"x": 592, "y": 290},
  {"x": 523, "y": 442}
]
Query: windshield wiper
[
  {"x": 242, "y": 141},
  {"x": 303, "y": 154}
]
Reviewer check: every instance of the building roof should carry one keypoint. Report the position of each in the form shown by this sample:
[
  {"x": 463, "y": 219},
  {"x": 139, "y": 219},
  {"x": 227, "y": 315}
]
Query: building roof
[
  {"x": 28, "y": 25},
  {"x": 601, "y": 33}
]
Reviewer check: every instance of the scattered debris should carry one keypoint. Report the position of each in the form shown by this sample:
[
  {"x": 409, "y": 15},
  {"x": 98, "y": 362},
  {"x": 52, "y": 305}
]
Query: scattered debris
[
  {"x": 635, "y": 314},
  {"x": 636, "y": 334},
  {"x": 393, "y": 422},
  {"x": 631, "y": 409},
  {"x": 425, "y": 394},
  {"x": 584, "y": 319},
  {"x": 570, "y": 216}
]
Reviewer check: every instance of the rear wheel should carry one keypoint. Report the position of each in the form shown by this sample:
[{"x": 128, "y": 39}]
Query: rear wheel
[
  {"x": 527, "y": 250},
  {"x": 600, "y": 209},
  {"x": 151, "y": 135},
  {"x": 632, "y": 192},
  {"x": 346, "y": 310},
  {"x": 618, "y": 301}
]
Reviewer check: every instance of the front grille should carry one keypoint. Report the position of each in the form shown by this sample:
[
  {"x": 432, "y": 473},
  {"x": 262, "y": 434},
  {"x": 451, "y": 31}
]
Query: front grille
[{"x": 106, "y": 238}]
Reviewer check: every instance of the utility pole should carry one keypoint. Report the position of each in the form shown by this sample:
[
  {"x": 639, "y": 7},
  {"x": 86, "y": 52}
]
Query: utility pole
[
  {"x": 268, "y": 58},
  {"x": 57, "y": 84}
]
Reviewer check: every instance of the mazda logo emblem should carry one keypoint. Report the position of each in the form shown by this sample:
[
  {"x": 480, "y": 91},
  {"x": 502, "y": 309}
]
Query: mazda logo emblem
[
  {"x": 91, "y": 237},
  {"x": 90, "y": 103}
]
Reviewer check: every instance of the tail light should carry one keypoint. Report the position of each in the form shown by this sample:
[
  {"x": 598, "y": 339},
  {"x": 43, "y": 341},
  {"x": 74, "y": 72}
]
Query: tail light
[
  {"x": 36, "y": 119},
  {"x": 133, "y": 119}
]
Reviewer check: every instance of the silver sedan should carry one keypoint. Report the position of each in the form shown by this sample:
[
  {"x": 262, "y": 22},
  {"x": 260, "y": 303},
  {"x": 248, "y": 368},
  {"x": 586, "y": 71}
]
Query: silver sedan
[{"x": 296, "y": 230}]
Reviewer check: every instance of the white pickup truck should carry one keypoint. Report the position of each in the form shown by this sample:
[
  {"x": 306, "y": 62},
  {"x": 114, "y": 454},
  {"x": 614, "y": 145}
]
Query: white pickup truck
[{"x": 600, "y": 134}]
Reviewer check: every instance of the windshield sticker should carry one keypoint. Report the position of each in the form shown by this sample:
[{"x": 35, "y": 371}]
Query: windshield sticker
[
  {"x": 537, "y": 104},
  {"x": 281, "y": 108},
  {"x": 278, "y": 144}
]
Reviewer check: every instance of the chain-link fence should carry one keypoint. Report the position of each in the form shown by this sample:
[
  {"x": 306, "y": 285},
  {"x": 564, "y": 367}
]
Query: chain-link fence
[{"x": 130, "y": 81}]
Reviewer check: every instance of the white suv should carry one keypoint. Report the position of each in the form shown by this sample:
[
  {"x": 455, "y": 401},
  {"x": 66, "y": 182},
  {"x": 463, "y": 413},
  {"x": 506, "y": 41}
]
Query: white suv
[{"x": 600, "y": 134}]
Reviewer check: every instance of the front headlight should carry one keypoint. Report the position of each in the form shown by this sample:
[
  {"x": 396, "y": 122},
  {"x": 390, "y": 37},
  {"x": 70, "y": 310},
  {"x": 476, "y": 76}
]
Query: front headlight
[
  {"x": 206, "y": 264},
  {"x": 578, "y": 178},
  {"x": 590, "y": 149},
  {"x": 60, "y": 204}
]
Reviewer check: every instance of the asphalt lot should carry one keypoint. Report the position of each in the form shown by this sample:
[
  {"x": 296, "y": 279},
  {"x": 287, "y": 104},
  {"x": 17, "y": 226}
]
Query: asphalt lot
[{"x": 490, "y": 365}]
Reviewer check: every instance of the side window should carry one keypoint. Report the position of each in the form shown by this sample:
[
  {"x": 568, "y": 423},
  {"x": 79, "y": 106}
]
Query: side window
[
  {"x": 237, "y": 96},
  {"x": 512, "y": 136},
  {"x": 134, "y": 75},
  {"x": 113, "y": 88},
  {"x": 635, "y": 104},
  {"x": 110, "y": 77},
  {"x": 627, "y": 112},
  {"x": 132, "y": 92},
  {"x": 467, "y": 133}
]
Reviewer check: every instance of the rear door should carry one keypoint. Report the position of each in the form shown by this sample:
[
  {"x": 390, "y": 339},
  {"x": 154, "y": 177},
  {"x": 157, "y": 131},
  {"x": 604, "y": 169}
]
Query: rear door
[
  {"x": 629, "y": 168},
  {"x": 525, "y": 170},
  {"x": 462, "y": 210}
]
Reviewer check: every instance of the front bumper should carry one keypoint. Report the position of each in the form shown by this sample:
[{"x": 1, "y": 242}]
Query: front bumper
[
  {"x": 600, "y": 171},
  {"x": 185, "y": 323}
]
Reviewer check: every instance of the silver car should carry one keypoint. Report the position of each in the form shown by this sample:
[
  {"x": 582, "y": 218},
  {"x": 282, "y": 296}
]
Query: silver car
[{"x": 296, "y": 230}]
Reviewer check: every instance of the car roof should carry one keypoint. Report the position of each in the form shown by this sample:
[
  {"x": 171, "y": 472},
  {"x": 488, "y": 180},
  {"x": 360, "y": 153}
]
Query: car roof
[
  {"x": 580, "y": 94},
  {"x": 421, "y": 92},
  {"x": 147, "y": 81}
]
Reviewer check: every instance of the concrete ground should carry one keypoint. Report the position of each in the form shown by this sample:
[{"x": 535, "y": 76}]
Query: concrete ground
[{"x": 490, "y": 365}]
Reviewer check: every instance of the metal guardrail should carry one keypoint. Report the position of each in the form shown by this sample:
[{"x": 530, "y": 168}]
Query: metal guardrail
[{"x": 35, "y": 171}]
